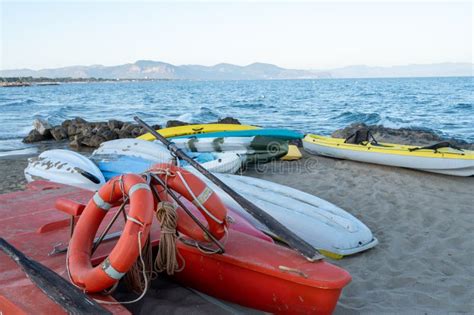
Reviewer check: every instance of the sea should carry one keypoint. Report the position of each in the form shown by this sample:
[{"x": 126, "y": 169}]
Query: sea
[{"x": 442, "y": 105}]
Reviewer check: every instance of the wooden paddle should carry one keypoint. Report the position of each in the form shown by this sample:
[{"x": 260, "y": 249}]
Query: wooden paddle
[
  {"x": 58, "y": 289},
  {"x": 294, "y": 241}
]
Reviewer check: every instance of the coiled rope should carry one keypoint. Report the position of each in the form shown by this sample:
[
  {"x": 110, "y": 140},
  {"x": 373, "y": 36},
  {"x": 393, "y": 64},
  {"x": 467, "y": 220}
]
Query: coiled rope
[{"x": 167, "y": 257}]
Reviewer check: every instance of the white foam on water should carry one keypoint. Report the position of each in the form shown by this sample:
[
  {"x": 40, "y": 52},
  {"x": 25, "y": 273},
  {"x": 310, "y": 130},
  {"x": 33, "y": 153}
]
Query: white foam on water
[{"x": 19, "y": 152}]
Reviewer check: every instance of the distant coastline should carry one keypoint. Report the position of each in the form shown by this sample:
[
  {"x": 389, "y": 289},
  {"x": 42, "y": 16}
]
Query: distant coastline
[
  {"x": 157, "y": 70},
  {"x": 43, "y": 81}
]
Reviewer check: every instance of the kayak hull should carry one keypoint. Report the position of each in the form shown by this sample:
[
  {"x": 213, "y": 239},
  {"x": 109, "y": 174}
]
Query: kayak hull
[
  {"x": 282, "y": 134},
  {"x": 258, "y": 149},
  {"x": 195, "y": 129},
  {"x": 319, "y": 222},
  {"x": 64, "y": 166},
  {"x": 447, "y": 162},
  {"x": 136, "y": 156},
  {"x": 286, "y": 282}
]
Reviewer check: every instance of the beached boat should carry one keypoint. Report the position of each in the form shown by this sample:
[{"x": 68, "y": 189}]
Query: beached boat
[
  {"x": 330, "y": 229},
  {"x": 287, "y": 282},
  {"x": 438, "y": 158},
  {"x": 64, "y": 166},
  {"x": 136, "y": 156},
  {"x": 278, "y": 133},
  {"x": 196, "y": 129},
  {"x": 256, "y": 149}
]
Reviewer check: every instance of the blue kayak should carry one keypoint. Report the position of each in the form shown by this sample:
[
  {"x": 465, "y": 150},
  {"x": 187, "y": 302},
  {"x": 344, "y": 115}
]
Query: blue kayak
[
  {"x": 112, "y": 166},
  {"x": 283, "y": 134}
]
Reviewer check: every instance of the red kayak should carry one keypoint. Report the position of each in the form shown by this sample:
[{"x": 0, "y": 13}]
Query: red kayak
[{"x": 253, "y": 271}]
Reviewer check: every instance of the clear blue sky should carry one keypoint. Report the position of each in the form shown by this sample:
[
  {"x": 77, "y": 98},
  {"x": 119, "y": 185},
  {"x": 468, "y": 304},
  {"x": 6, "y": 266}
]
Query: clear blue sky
[{"x": 298, "y": 35}]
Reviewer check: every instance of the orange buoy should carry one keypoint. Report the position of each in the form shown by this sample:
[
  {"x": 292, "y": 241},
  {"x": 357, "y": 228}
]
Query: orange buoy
[
  {"x": 195, "y": 190},
  {"x": 126, "y": 251}
]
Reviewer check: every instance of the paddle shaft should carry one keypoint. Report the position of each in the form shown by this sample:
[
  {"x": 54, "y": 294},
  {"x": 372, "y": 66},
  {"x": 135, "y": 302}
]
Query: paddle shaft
[
  {"x": 70, "y": 298},
  {"x": 275, "y": 226}
]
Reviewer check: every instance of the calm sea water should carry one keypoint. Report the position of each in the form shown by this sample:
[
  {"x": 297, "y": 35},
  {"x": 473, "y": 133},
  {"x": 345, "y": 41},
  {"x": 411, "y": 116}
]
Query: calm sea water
[{"x": 444, "y": 105}]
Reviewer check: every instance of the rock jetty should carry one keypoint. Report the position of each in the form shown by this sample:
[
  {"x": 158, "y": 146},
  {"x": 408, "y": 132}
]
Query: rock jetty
[
  {"x": 409, "y": 136},
  {"x": 82, "y": 133}
]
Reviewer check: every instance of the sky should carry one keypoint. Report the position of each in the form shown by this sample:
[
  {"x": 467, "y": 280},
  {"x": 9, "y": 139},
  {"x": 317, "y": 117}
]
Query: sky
[{"x": 303, "y": 35}]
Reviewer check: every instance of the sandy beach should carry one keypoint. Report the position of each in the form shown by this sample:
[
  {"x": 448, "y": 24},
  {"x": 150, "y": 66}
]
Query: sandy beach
[{"x": 424, "y": 262}]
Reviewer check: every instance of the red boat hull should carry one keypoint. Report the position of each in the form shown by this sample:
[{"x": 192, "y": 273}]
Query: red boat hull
[{"x": 253, "y": 272}]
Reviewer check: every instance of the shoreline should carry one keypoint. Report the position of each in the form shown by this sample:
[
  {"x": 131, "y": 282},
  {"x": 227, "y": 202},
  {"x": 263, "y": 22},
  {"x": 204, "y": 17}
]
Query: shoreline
[{"x": 423, "y": 222}]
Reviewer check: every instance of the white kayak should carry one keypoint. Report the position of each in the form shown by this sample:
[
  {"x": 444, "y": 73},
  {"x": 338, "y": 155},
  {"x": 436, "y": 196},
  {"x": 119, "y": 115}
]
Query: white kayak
[
  {"x": 146, "y": 150},
  {"x": 136, "y": 156},
  {"x": 256, "y": 149},
  {"x": 66, "y": 167},
  {"x": 317, "y": 221}
]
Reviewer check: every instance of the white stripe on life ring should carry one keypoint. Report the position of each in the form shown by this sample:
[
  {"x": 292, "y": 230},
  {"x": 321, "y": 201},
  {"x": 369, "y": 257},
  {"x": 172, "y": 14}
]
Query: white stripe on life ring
[{"x": 99, "y": 202}]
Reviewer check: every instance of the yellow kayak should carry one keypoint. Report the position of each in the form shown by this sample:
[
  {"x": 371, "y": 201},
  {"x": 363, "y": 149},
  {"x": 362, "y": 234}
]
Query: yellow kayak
[
  {"x": 195, "y": 129},
  {"x": 444, "y": 160},
  {"x": 293, "y": 153}
]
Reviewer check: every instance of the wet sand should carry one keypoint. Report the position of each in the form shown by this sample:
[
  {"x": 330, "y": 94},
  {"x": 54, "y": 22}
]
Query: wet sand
[{"x": 424, "y": 222}]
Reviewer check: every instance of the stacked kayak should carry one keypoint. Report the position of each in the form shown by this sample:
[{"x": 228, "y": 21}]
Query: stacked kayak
[
  {"x": 258, "y": 145},
  {"x": 255, "y": 149},
  {"x": 320, "y": 223},
  {"x": 195, "y": 129},
  {"x": 282, "y": 134},
  {"x": 136, "y": 156},
  {"x": 440, "y": 158}
]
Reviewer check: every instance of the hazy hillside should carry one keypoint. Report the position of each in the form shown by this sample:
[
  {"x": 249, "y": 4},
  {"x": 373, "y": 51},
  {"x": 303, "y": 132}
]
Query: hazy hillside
[{"x": 147, "y": 69}]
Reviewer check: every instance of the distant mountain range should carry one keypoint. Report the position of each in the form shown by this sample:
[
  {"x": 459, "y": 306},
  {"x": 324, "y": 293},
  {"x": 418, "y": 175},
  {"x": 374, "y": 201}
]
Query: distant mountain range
[{"x": 147, "y": 69}]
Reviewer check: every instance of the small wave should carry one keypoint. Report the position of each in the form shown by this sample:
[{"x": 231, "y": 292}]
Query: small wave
[
  {"x": 204, "y": 114},
  {"x": 466, "y": 106},
  {"x": 350, "y": 117},
  {"x": 26, "y": 151},
  {"x": 247, "y": 105},
  {"x": 17, "y": 103}
]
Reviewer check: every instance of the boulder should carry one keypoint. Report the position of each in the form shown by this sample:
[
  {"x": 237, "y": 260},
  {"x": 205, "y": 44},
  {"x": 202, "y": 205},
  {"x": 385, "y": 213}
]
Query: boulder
[
  {"x": 175, "y": 123},
  {"x": 122, "y": 134},
  {"x": 76, "y": 142},
  {"x": 41, "y": 125},
  {"x": 72, "y": 129},
  {"x": 65, "y": 124},
  {"x": 34, "y": 136},
  {"x": 229, "y": 120},
  {"x": 59, "y": 133},
  {"x": 349, "y": 130},
  {"x": 93, "y": 141},
  {"x": 109, "y": 135},
  {"x": 87, "y": 131},
  {"x": 114, "y": 124},
  {"x": 129, "y": 127},
  {"x": 79, "y": 121},
  {"x": 137, "y": 131}
]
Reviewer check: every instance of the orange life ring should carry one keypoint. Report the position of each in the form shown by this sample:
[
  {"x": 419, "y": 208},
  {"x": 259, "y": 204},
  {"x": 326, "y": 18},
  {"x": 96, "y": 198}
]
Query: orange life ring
[
  {"x": 196, "y": 191},
  {"x": 126, "y": 251}
]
